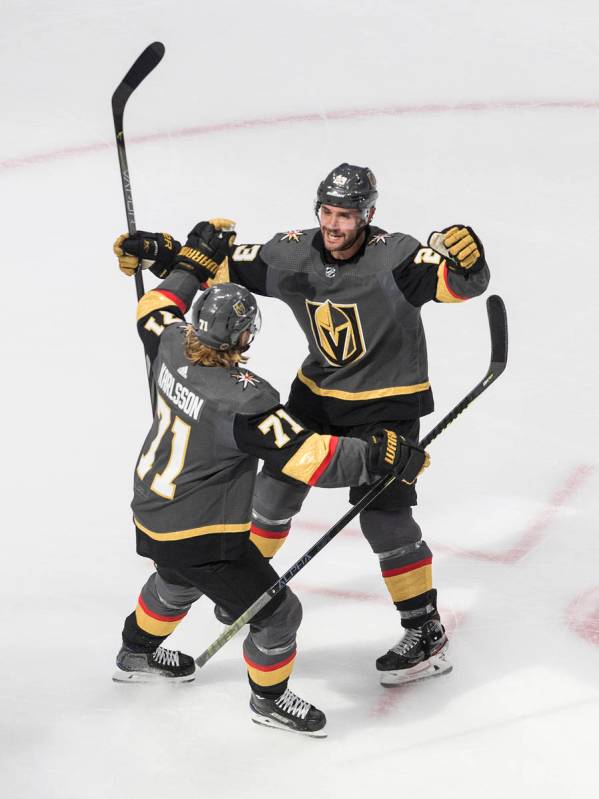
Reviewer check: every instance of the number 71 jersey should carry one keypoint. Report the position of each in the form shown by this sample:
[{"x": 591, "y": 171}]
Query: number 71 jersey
[{"x": 195, "y": 475}]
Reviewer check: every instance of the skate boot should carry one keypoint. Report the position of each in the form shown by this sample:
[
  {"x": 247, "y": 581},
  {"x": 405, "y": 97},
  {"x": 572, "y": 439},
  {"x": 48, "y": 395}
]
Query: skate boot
[
  {"x": 288, "y": 712},
  {"x": 162, "y": 665},
  {"x": 420, "y": 654}
]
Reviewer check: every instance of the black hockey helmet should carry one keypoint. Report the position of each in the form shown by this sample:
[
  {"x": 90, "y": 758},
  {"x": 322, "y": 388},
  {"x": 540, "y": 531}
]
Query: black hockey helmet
[
  {"x": 348, "y": 186},
  {"x": 221, "y": 314}
]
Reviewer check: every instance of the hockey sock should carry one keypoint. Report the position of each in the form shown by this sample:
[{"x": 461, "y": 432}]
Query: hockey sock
[
  {"x": 407, "y": 571},
  {"x": 269, "y": 535},
  {"x": 152, "y": 621},
  {"x": 268, "y": 669}
]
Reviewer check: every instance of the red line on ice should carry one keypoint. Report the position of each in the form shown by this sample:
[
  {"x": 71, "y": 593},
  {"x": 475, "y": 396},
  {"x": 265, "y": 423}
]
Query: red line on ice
[
  {"x": 292, "y": 119},
  {"x": 536, "y": 531},
  {"x": 582, "y": 615},
  {"x": 531, "y": 536},
  {"x": 390, "y": 697}
]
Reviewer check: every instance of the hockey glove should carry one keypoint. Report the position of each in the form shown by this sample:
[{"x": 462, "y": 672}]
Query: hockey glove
[
  {"x": 207, "y": 246},
  {"x": 460, "y": 245},
  {"x": 156, "y": 251},
  {"x": 392, "y": 453}
]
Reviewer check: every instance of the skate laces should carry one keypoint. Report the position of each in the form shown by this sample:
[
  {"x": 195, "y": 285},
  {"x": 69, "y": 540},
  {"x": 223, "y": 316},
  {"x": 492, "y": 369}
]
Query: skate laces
[
  {"x": 293, "y": 704},
  {"x": 411, "y": 639},
  {"x": 166, "y": 657}
]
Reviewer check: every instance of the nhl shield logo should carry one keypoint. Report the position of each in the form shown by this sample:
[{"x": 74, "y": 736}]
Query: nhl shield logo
[{"x": 337, "y": 331}]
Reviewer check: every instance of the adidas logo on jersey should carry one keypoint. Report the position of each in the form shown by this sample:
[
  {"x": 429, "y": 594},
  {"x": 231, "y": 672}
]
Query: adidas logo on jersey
[{"x": 183, "y": 371}]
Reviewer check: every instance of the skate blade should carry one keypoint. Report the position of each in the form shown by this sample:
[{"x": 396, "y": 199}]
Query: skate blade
[
  {"x": 264, "y": 721},
  {"x": 435, "y": 666},
  {"x": 146, "y": 677}
]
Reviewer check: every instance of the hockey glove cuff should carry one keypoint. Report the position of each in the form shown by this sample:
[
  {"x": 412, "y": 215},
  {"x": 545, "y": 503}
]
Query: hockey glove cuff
[
  {"x": 207, "y": 246},
  {"x": 461, "y": 246},
  {"x": 390, "y": 452},
  {"x": 156, "y": 251}
]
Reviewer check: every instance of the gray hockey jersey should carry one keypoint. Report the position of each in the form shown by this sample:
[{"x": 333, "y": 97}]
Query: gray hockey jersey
[
  {"x": 367, "y": 358},
  {"x": 195, "y": 475}
]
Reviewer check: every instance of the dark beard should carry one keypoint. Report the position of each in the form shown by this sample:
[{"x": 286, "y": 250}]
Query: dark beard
[{"x": 352, "y": 242}]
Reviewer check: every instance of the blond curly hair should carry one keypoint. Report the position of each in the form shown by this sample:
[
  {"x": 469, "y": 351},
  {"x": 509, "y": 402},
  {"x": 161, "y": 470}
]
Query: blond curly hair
[{"x": 197, "y": 352}]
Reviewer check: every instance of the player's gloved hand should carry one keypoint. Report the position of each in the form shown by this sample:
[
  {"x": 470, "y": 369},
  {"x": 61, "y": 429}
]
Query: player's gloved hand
[
  {"x": 460, "y": 245},
  {"x": 207, "y": 246},
  {"x": 390, "y": 452},
  {"x": 153, "y": 251}
]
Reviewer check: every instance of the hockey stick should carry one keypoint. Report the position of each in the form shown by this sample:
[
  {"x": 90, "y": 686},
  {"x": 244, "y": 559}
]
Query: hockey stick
[
  {"x": 144, "y": 64},
  {"x": 140, "y": 70},
  {"x": 498, "y": 329}
]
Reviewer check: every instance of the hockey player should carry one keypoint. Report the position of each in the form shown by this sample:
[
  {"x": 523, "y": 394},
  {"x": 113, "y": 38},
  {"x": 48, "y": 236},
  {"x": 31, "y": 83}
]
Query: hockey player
[
  {"x": 356, "y": 291},
  {"x": 195, "y": 477}
]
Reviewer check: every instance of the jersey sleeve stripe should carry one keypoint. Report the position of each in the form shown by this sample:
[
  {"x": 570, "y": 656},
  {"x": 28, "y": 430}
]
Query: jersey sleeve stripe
[
  {"x": 176, "y": 300},
  {"x": 308, "y": 460},
  {"x": 153, "y": 301},
  {"x": 444, "y": 292},
  {"x": 333, "y": 441}
]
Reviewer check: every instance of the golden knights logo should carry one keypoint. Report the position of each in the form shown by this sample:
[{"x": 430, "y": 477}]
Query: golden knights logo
[{"x": 337, "y": 331}]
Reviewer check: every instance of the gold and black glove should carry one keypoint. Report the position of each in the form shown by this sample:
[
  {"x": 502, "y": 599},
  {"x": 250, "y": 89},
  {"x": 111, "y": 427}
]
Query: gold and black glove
[
  {"x": 460, "y": 245},
  {"x": 390, "y": 452},
  {"x": 154, "y": 251},
  {"x": 207, "y": 246}
]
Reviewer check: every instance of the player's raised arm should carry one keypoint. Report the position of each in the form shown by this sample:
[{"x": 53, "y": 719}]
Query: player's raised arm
[
  {"x": 326, "y": 461},
  {"x": 184, "y": 269},
  {"x": 452, "y": 268},
  {"x": 246, "y": 267}
]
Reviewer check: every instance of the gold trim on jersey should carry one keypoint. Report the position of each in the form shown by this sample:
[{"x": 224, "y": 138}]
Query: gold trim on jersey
[
  {"x": 308, "y": 458},
  {"x": 337, "y": 331},
  {"x": 376, "y": 393},
  {"x": 208, "y": 529},
  {"x": 444, "y": 293},
  {"x": 152, "y": 301}
]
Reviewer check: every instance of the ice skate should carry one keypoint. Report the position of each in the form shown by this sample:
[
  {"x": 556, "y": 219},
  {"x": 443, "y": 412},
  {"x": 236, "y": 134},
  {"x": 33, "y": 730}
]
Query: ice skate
[
  {"x": 288, "y": 712},
  {"x": 420, "y": 654},
  {"x": 162, "y": 665}
]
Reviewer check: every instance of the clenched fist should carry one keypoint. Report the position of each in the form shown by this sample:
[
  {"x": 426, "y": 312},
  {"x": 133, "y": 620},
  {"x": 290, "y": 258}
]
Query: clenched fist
[
  {"x": 156, "y": 252},
  {"x": 459, "y": 244},
  {"x": 390, "y": 452},
  {"x": 207, "y": 246}
]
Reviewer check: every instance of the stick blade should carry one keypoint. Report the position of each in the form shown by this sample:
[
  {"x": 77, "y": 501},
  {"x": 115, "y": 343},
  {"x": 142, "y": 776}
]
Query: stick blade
[
  {"x": 144, "y": 64},
  {"x": 498, "y": 328}
]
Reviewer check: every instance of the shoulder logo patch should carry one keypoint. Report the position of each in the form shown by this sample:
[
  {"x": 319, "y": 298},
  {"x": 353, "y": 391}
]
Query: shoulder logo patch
[
  {"x": 245, "y": 379},
  {"x": 379, "y": 238},
  {"x": 292, "y": 235}
]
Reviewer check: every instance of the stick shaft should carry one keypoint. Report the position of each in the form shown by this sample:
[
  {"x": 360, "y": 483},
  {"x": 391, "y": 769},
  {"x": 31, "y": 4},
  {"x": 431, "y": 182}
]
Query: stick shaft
[{"x": 498, "y": 329}]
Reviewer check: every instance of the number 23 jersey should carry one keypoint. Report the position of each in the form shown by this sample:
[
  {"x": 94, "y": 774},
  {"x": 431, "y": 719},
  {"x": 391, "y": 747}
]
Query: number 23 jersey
[{"x": 367, "y": 357}]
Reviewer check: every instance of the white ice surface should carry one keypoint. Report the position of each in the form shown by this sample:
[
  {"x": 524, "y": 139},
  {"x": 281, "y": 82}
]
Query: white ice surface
[{"x": 476, "y": 112}]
